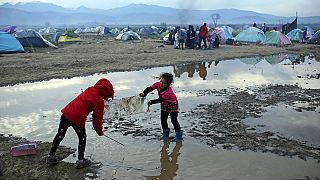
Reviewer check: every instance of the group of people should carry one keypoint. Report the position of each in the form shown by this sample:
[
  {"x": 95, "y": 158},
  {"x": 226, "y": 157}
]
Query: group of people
[
  {"x": 75, "y": 113},
  {"x": 193, "y": 38}
]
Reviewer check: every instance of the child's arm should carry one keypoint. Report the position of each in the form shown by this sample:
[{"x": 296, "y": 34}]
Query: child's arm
[
  {"x": 146, "y": 91},
  {"x": 155, "y": 101},
  {"x": 97, "y": 117}
]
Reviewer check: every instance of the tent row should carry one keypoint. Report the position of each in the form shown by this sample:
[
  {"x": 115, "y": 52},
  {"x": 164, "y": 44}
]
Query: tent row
[
  {"x": 12, "y": 43},
  {"x": 272, "y": 59}
]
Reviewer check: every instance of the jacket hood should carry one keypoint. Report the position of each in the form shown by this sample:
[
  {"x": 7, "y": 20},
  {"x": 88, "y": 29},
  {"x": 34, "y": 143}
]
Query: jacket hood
[{"x": 104, "y": 88}]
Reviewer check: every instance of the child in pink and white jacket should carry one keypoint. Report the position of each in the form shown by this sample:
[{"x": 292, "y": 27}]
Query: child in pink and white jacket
[{"x": 169, "y": 104}]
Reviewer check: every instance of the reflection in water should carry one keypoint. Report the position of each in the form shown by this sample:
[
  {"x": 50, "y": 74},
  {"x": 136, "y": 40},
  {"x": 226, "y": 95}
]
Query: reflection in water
[
  {"x": 191, "y": 68},
  {"x": 251, "y": 60},
  {"x": 169, "y": 162},
  {"x": 203, "y": 71},
  {"x": 178, "y": 70}
]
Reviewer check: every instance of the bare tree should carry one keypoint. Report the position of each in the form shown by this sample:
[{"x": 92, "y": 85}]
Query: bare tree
[{"x": 215, "y": 18}]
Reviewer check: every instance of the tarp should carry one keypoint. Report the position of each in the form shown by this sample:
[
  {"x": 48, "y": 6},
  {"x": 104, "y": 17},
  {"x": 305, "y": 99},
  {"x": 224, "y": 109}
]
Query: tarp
[
  {"x": 130, "y": 35},
  {"x": 315, "y": 38},
  {"x": 31, "y": 38},
  {"x": 251, "y": 35},
  {"x": 289, "y": 27},
  {"x": 295, "y": 35},
  {"x": 125, "y": 106},
  {"x": 9, "y": 44},
  {"x": 8, "y": 29},
  {"x": 276, "y": 38}
]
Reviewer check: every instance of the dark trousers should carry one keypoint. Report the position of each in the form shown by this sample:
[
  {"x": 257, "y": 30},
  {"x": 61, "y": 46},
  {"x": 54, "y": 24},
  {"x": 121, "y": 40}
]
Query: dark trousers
[
  {"x": 192, "y": 43},
  {"x": 204, "y": 41},
  {"x": 174, "y": 120},
  {"x": 63, "y": 127}
]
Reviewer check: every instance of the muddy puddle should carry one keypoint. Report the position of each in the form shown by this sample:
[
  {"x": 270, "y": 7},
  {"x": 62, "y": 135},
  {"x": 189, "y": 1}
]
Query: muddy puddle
[{"x": 244, "y": 118}]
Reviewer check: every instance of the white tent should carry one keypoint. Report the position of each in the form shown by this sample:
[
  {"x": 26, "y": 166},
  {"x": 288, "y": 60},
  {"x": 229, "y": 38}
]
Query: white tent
[
  {"x": 78, "y": 30},
  {"x": 130, "y": 35}
]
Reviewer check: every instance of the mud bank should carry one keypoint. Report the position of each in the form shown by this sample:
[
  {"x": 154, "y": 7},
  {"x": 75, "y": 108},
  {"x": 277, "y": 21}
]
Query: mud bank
[{"x": 35, "y": 166}]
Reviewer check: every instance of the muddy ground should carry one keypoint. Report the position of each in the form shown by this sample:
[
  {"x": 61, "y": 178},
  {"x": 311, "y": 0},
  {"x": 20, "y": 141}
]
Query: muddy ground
[{"x": 218, "y": 124}]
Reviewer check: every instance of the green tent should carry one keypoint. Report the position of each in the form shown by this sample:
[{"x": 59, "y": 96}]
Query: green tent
[{"x": 276, "y": 38}]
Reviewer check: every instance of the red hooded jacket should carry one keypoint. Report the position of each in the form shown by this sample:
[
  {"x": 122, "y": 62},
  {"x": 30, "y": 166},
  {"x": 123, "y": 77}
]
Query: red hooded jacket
[
  {"x": 91, "y": 100},
  {"x": 203, "y": 31}
]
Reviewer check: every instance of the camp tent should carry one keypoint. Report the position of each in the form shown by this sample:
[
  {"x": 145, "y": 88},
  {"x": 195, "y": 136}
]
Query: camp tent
[
  {"x": 9, "y": 44},
  {"x": 166, "y": 37},
  {"x": 48, "y": 30},
  {"x": 275, "y": 59},
  {"x": 8, "y": 29},
  {"x": 78, "y": 30},
  {"x": 251, "y": 60},
  {"x": 115, "y": 31},
  {"x": 31, "y": 38},
  {"x": 69, "y": 36},
  {"x": 104, "y": 31},
  {"x": 251, "y": 35},
  {"x": 295, "y": 35},
  {"x": 315, "y": 38},
  {"x": 276, "y": 38},
  {"x": 224, "y": 34},
  {"x": 147, "y": 31},
  {"x": 310, "y": 31},
  {"x": 87, "y": 30},
  {"x": 55, "y": 36},
  {"x": 128, "y": 36}
]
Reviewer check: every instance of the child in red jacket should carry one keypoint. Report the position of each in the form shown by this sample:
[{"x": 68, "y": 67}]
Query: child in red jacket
[{"x": 75, "y": 115}]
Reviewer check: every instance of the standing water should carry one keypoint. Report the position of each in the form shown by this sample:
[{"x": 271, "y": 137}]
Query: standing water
[{"x": 32, "y": 110}]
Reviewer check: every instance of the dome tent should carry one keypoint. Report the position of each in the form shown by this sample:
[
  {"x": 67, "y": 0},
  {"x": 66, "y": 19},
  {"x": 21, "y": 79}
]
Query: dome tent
[
  {"x": 295, "y": 35},
  {"x": 9, "y": 44},
  {"x": 251, "y": 35},
  {"x": 315, "y": 38},
  {"x": 31, "y": 38},
  {"x": 276, "y": 38},
  {"x": 130, "y": 35}
]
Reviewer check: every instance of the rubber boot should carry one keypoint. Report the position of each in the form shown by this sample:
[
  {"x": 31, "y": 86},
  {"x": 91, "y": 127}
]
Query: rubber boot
[
  {"x": 165, "y": 134},
  {"x": 178, "y": 136}
]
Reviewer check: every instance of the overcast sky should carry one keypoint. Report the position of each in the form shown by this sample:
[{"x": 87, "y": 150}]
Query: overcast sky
[{"x": 275, "y": 7}]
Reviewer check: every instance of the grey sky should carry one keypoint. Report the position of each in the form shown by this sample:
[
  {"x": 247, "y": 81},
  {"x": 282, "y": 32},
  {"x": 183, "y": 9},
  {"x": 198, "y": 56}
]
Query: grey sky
[{"x": 275, "y": 7}]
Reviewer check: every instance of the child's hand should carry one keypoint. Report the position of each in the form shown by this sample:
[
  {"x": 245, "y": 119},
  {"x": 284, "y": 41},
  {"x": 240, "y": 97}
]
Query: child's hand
[
  {"x": 149, "y": 103},
  {"x": 141, "y": 95}
]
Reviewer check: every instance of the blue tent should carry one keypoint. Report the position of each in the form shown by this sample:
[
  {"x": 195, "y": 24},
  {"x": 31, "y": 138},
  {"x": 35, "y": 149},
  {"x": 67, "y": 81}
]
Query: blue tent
[
  {"x": 295, "y": 35},
  {"x": 251, "y": 35},
  {"x": 9, "y": 44}
]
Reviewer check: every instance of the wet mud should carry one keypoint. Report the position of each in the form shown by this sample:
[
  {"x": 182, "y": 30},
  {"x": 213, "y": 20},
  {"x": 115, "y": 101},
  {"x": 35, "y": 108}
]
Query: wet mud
[
  {"x": 221, "y": 124},
  {"x": 35, "y": 166}
]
